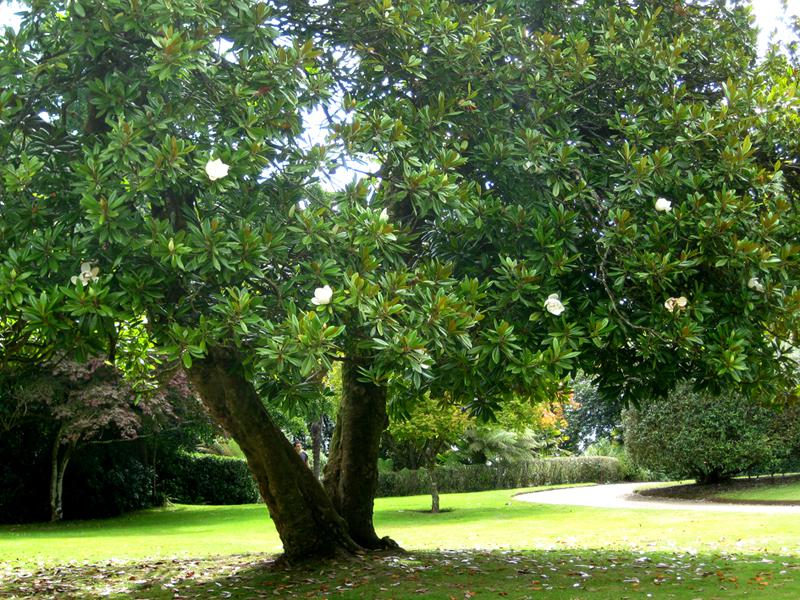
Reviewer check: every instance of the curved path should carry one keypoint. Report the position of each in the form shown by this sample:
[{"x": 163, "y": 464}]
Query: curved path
[{"x": 621, "y": 495}]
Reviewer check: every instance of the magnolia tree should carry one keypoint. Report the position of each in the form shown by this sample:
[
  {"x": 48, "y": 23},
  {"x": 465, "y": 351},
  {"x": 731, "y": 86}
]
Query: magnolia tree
[{"x": 549, "y": 187}]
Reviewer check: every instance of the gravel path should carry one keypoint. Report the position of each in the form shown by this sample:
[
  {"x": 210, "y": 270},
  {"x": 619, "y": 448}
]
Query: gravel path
[{"x": 621, "y": 495}]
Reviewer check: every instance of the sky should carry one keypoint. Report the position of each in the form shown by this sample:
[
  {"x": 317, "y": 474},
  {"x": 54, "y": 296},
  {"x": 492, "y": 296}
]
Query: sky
[{"x": 770, "y": 17}]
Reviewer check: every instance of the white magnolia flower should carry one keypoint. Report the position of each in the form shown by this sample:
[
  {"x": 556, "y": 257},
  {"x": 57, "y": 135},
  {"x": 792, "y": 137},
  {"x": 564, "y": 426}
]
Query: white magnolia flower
[
  {"x": 553, "y": 305},
  {"x": 322, "y": 296},
  {"x": 675, "y": 303},
  {"x": 216, "y": 169},
  {"x": 384, "y": 216},
  {"x": 663, "y": 205},
  {"x": 755, "y": 284},
  {"x": 88, "y": 274}
]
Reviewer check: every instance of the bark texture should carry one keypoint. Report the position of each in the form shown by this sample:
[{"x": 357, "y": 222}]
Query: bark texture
[
  {"x": 351, "y": 475},
  {"x": 316, "y": 445},
  {"x": 434, "y": 489},
  {"x": 304, "y": 516}
]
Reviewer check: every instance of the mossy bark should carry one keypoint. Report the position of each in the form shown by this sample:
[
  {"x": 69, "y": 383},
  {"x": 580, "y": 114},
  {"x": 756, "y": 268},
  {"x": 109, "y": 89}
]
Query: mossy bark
[
  {"x": 304, "y": 515},
  {"x": 351, "y": 475}
]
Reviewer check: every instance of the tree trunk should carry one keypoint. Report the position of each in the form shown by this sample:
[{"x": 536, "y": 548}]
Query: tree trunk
[
  {"x": 316, "y": 444},
  {"x": 56, "y": 510},
  {"x": 62, "y": 468},
  {"x": 304, "y": 516},
  {"x": 434, "y": 489},
  {"x": 715, "y": 476},
  {"x": 58, "y": 466},
  {"x": 351, "y": 475}
]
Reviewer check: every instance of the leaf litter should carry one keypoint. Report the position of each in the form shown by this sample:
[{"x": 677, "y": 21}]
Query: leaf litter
[{"x": 446, "y": 575}]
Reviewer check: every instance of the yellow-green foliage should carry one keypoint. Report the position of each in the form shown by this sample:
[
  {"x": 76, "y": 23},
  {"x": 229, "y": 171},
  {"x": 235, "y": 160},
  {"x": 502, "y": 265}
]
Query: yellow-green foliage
[{"x": 431, "y": 426}]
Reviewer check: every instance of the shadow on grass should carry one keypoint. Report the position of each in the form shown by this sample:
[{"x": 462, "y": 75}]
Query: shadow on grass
[
  {"x": 197, "y": 516},
  {"x": 435, "y": 575},
  {"x": 155, "y": 519}
]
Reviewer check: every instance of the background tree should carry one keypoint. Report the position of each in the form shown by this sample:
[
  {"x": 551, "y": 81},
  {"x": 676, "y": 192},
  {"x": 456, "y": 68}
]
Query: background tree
[
  {"x": 84, "y": 403},
  {"x": 590, "y": 417},
  {"x": 427, "y": 433},
  {"x": 594, "y": 185},
  {"x": 711, "y": 438},
  {"x": 311, "y": 417},
  {"x": 524, "y": 429}
]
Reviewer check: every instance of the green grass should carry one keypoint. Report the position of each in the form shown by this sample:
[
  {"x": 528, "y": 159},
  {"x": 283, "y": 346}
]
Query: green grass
[
  {"x": 786, "y": 492},
  {"x": 488, "y": 541},
  {"x": 178, "y": 531},
  {"x": 778, "y": 489}
]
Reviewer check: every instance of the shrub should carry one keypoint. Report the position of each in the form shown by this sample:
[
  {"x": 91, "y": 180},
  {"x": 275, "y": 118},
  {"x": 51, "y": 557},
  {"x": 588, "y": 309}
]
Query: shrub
[
  {"x": 208, "y": 479},
  {"x": 108, "y": 480},
  {"x": 477, "y": 478},
  {"x": 484, "y": 444},
  {"x": 709, "y": 438},
  {"x": 101, "y": 480},
  {"x": 24, "y": 470},
  {"x": 630, "y": 470}
]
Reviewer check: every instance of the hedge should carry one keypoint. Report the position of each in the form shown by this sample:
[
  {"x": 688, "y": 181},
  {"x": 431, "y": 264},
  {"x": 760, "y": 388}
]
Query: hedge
[
  {"x": 477, "y": 478},
  {"x": 208, "y": 479}
]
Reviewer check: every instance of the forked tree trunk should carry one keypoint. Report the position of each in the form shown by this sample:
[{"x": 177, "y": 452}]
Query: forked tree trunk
[
  {"x": 351, "y": 475},
  {"x": 304, "y": 516}
]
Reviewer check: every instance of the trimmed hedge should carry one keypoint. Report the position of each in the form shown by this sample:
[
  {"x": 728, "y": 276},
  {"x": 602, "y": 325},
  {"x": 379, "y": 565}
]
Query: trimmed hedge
[
  {"x": 478, "y": 478},
  {"x": 208, "y": 479}
]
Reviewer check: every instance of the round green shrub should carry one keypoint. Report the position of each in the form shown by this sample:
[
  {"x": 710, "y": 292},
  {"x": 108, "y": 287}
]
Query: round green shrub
[{"x": 695, "y": 435}]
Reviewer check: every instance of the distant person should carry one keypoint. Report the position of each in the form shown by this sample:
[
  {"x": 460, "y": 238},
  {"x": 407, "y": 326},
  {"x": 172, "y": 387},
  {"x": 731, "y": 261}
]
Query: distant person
[{"x": 299, "y": 447}]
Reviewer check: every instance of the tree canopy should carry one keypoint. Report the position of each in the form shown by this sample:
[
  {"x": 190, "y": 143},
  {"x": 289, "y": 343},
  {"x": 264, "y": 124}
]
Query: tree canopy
[{"x": 598, "y": 185}]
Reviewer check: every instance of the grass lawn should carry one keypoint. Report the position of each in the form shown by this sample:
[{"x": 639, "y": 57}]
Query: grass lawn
[
  {"x": 489, "y": 544},
  {"x": 780, "y": 492}
]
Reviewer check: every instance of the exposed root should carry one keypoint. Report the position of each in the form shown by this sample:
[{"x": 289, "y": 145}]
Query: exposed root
[{"x": 388, "y": 543}]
